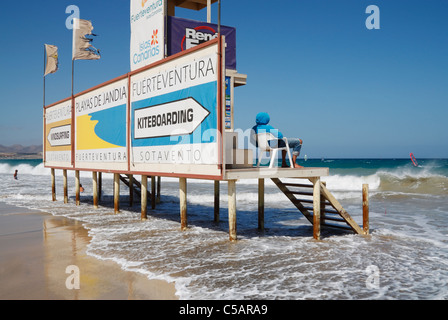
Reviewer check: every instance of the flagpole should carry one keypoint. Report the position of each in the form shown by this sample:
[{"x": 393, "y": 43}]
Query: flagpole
[
  {"x": 73, "y": 117},
  {"x": 73, "y": 48},
  {"x": 73, "y": 74},
  {"x": 219, "y": 17},
  {"x": 45, "y": 58},
  {"x": 44, "y": 140},
  {"x": 73, "y": 98}
]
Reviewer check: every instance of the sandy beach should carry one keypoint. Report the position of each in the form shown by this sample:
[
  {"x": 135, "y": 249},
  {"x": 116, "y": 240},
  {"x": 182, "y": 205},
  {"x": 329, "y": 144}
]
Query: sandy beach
[{"x": 36, "y": 249}]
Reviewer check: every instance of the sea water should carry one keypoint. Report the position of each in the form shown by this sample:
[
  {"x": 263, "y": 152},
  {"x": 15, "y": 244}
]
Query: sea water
[{"x": 405, "y": 257}]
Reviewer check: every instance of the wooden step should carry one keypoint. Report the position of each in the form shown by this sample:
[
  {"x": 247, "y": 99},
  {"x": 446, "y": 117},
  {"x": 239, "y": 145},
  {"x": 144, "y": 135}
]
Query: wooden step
[
  {"x": 303, "y": 193},
  {"x": 334, "y": 212},
  {"x": 328, "y": 217},
  {"x": 332, "y": 219},
  {"x": 346, "y": 227},
  {"x": 298, "y": 185},
  {"x": 324, "y": 210}
]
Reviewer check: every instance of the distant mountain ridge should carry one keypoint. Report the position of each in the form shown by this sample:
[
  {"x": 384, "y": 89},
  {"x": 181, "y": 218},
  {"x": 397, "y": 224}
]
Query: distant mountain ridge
[{"x": 18, "y": 148}]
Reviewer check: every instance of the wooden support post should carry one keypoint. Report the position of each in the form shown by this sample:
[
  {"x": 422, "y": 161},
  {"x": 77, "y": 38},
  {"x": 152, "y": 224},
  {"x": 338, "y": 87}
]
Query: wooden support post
[
  {"x": 322, "y": 205},
  {"x": 77, "y": 186},
  {"x": 216, "y": 203},
  {"x": 365, "y": 208},
  {"x": 131, "y": 190},
  {"x": 95, "y": 189},
  {"x": 232, "y": 210},
  {"x": 53, "y": 184},
  {"x": 144, "y": 198},
  {"x": 209, "y": 11},
  {"x": 116, "y": 193},
  {"x": 171, "y": 8},
  {"x": 183, "y": 203},
  {"x": 158, "y": 189},
  {"x": 153, "y": 192},
  {"x": 261, "y": 204},
  {"x": 64, "y": 175},
  {"x": 316, "y": 208},
  {"x": 100, "y": 185}
]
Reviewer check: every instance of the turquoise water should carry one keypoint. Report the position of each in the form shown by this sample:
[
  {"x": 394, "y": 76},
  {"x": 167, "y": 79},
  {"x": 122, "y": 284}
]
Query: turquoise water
[
  {"x": 408, "y": 245},
  {"x": 16, "y": 162},
  {"x": 370, "y": 166},
  {"x": 337, "y": 166}
]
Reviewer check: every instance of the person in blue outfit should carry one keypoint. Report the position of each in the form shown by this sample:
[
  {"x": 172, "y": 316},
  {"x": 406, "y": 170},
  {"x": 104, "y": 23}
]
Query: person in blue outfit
[{"x": 295, "y": 144}]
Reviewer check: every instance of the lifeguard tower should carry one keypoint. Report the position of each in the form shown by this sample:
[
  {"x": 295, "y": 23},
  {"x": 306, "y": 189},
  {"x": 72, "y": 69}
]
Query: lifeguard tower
[{"x": 172, "y": 116}]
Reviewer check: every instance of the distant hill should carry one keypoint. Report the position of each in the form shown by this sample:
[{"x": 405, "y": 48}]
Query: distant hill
[
  {"x": 17, "y": 148},
  {"x": 18, "y": 151}
]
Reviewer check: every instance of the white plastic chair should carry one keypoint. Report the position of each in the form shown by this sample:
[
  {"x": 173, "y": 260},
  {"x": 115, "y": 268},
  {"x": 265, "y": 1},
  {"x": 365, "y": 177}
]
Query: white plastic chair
[{"x": 263, "y": 146}]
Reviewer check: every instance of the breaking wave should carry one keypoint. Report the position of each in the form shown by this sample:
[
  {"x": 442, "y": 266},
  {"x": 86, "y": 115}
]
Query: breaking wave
[{"x": 426, "y": 180}]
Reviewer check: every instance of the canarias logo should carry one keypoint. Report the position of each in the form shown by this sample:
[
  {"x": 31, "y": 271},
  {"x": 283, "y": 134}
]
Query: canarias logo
[
  {"x": 148, "y": 49},
  {"x": 154, "y": 39}
]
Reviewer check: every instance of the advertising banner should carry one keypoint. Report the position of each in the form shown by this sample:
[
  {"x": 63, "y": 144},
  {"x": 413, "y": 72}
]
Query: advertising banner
[
  {"x": 174, "y": 116},
  {"x": 228, "y": 117},
  {"x": 58, "y": 135},
  {"x": 147, "y": 32},
  {"x": 100, "y": 127},
  {"x": 183, "y": 34}
]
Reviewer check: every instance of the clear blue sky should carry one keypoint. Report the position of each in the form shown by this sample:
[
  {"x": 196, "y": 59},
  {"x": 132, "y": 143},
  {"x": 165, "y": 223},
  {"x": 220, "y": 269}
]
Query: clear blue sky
[{"x": 312, "y": 64}]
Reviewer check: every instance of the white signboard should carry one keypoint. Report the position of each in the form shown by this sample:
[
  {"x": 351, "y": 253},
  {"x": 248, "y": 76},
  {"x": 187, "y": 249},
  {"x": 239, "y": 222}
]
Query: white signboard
[
  {"x": 58, "y": 131},
  {"x": 101, "y": 127},
  {"x": 174, "y": 115},
  {"x": 147, "y": 32}
]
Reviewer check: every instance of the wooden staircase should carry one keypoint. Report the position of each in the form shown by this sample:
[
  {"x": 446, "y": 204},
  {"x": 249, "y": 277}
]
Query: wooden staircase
[
  {"x": 332, "y": 213},
  {"x": 137, "y": 187}
]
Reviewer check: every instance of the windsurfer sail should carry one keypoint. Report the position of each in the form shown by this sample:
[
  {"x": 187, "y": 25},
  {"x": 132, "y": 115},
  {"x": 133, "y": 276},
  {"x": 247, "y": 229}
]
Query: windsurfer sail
[{"x": 414, "y": 161}]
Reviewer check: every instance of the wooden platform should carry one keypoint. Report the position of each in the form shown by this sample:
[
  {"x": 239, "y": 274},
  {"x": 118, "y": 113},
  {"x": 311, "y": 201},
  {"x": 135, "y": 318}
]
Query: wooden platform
[{"x": 267, "y": 173}]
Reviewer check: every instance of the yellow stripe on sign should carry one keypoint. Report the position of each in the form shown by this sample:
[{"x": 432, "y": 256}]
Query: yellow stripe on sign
[{"x": 86, "y": 138}]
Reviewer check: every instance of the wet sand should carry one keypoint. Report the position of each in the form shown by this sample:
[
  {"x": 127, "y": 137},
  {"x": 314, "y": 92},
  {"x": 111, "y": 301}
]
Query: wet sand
[{"x": 36, "y": 249}]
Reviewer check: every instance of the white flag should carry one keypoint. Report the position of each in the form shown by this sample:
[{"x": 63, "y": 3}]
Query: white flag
[
  {"x": 51, "y": 65},
  {"x": 82, "y": 48}
]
